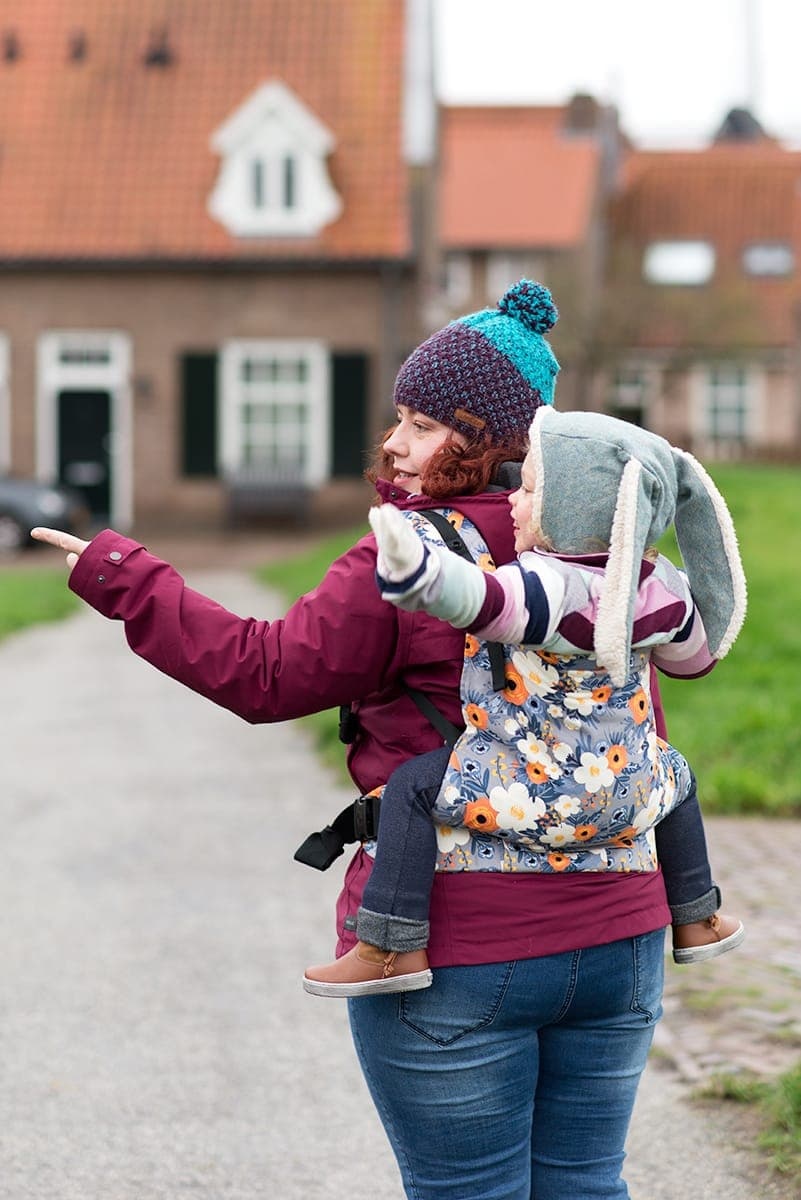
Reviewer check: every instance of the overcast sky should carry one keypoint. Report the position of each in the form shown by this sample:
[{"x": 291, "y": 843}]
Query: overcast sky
[{"x": 673, "y": 69}]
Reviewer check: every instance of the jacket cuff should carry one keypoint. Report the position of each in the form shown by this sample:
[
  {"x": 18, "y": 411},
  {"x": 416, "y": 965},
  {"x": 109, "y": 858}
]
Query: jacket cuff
[{"x": 97, "y": 568}]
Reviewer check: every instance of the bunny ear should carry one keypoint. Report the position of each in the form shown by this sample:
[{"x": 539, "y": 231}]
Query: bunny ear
[
  {"x": 630, "y": 528},
  {"x": 708, "y": 544}
]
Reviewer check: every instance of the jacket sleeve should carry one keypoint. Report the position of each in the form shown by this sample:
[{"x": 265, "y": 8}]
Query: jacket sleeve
[{"x": 335, "y": 643}]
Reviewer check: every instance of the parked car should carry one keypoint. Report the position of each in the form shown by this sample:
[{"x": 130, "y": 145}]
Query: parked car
[{"x": 25, "y": 503}]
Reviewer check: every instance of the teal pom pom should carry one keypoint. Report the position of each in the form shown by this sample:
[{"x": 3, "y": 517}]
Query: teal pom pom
[{"x": 531, "y": 304}]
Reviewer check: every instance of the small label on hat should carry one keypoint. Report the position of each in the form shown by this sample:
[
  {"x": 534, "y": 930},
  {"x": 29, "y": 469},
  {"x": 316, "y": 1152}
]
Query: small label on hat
[{"x": 461, "y": 414}]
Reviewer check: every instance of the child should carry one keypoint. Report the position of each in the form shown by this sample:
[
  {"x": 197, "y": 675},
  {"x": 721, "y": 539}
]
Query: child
[{"x": 566, "y": 773}]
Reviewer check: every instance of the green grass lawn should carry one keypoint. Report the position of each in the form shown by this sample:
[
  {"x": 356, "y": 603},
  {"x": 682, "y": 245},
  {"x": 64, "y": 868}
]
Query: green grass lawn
[
  {"x": 29, "y": 597},
  {"x": 738, "y": 726}
]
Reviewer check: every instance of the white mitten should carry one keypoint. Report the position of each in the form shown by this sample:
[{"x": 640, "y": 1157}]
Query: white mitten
[
  {"x": 414, "y": 576},
  {"x": 400, "y": 550}
]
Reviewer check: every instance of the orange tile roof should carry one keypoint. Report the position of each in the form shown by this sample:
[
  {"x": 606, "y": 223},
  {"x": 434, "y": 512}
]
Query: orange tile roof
[
  {"x": 107, "y": 158},
  {"x": 728, "y": 195},
  {"x": 512, "y": 178}
]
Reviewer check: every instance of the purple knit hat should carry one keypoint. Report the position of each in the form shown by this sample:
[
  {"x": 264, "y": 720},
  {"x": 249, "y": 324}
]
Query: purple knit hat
[{"x": 487, "y": 372}]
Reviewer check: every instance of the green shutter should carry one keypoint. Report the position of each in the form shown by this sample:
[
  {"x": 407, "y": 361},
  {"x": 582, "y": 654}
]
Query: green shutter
[
  {"x": 349, "y": 416},
  {"x": 199, "y": 414}
]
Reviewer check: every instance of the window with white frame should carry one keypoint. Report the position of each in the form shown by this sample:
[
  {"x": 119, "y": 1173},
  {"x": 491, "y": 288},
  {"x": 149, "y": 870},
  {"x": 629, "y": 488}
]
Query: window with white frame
[
  {"x": 631, "y": 386},
  {"x": 768, "y": 258},
  {"x": 457, "y": 279},
  {"x": 679, "y": 263},
  {"x": 275, "y": 415},
  {"x": 505, "y": 268},
  {"x": 273, "y": 180},
  {"x": 728, "y": 404}
]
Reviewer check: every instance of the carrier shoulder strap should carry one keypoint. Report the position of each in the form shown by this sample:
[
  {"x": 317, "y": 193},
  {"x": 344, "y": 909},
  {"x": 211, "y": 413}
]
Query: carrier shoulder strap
[
  {"x": 454, "y": 541},
  {"x": 348, "y": 723}
]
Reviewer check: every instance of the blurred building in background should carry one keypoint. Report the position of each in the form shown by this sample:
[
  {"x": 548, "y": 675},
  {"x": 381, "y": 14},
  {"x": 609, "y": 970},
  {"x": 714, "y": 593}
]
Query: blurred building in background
[
  {"x": 223, "y": 226},
  {"x": 210, "y": 245}
]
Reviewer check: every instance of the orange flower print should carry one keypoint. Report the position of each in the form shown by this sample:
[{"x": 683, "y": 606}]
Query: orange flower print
[
  {"x": 486, "y": 562},
  {"x": 618, "y": 758},
  {"x": 559, "y": 862},
  {"x": 548, "y": 656},
  {"x": 479, "y": 814},
  {"x": 471, "y": 645},
  {"x": 536, "y": 772},
  {"x": 584, "y": 833},
  {"x": 624, "y": 840},
  {"x": 456, "y": 519},
  {"x": 514, "y": 689},
  {"x": 601, "y": 694},
  {"x": 476, "y": 716},
  {"x": 639, "y": 707}
]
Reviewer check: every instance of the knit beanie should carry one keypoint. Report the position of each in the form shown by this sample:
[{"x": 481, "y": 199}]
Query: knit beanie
[{"x": 486, "y": 373}]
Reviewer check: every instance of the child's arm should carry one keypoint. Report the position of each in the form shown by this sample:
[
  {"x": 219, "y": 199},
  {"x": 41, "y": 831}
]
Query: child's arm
[
  {"x": 682, "y": 651},
  {"x": 510, "y": 605}
]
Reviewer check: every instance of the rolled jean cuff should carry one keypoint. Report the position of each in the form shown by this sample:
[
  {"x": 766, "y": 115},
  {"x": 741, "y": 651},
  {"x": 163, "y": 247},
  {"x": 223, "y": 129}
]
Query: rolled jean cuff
[
  {"x": 698, "y": 909},
  {"x": 391, "y": 933}
]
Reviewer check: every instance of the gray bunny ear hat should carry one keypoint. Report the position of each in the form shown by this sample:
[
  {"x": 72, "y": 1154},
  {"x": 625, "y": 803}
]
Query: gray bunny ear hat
[{"x": 601, "y": 482}]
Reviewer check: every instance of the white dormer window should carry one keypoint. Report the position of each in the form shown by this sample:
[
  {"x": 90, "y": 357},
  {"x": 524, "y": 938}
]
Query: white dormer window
[
  {"x": 274, "y": 180},
  {"x": 679, "y": 263}
]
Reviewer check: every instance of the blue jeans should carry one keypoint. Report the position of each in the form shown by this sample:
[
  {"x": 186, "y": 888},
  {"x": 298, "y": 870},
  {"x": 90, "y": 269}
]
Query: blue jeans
[{"x": 514, "y": 1080}]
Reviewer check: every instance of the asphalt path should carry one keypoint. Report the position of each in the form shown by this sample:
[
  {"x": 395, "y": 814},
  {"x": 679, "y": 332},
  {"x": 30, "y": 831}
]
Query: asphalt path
[{"x": 154, "y": 1037}]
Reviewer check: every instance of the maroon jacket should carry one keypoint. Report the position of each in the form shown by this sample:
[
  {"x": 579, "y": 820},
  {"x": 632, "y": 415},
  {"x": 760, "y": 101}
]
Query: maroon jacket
[{"x": 339, "y": 644}]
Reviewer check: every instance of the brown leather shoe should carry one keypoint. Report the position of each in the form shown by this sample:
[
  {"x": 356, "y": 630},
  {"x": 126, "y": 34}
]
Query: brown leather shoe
[
  {"x": 701, "y": 940},
  {"x": 368, "y": 971}
]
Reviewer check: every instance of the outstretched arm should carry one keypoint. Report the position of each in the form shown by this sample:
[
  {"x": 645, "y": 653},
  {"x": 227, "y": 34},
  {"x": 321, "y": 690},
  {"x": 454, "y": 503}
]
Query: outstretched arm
[{"x": 414, "y": 576}]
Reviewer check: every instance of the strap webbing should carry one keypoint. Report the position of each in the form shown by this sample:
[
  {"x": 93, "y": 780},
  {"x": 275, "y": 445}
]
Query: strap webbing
[{"x": 454, "y": 541}]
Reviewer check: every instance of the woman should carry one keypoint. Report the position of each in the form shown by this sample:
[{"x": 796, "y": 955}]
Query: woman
[{"x": 515, "y": 1074}]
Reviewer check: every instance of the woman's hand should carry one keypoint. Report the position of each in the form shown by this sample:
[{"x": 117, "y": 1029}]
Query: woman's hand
[{"x": 74, "y": 546}]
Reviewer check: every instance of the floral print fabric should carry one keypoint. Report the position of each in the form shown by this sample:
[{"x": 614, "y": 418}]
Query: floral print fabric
[{"x": 561, "y": 771}]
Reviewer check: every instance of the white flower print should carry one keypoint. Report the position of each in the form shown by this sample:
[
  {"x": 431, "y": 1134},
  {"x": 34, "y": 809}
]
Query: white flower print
[
  {"x": 658, "y": 801},
  {"x": 653, "y": 746},
  {"x": 555, "y": 710},
  {"x": 580, "y": 702},
  {"x": 572, "y": 723},
  {"x": 511, "y": 727},
  {"x": 567, "y": 806},
  {"x": 539, "y": 678},
  {"x": 559, "y": 835},
  {"x": 561, "y": 751},
  {"x": 536, "y": 751},
  {"x": 594, "y": 772},
  {"x": 449, "y": 838},
  {"x": 451, "y": 794},
  {"x": 515, "y": 807}
]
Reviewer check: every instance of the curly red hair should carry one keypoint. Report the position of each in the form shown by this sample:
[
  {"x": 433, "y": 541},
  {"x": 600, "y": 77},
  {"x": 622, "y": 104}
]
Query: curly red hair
[{"x": 453, "y": 470}]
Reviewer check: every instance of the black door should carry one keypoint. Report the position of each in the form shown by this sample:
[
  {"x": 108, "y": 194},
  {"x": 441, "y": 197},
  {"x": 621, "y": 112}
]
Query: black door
[{"x": 84, "y": 462}]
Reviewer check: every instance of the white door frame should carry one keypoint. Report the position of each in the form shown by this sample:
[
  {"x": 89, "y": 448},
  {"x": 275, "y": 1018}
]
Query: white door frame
[
  {"x": 110, "y": 373},
  {"x": 5, "y": 405}
]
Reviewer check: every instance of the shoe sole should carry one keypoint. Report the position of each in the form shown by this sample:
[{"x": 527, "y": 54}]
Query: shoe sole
[
  {"x": 696, "y": 954},
  {"x": 371, "y": 987}
]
